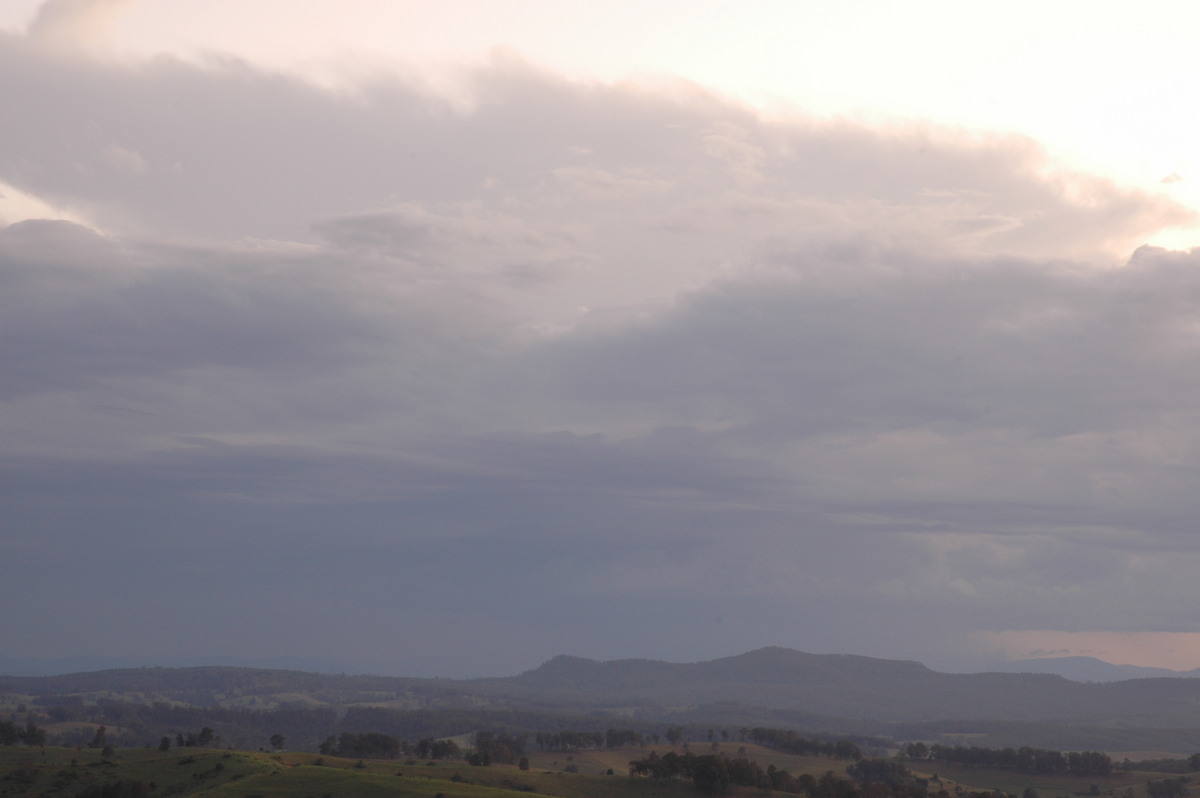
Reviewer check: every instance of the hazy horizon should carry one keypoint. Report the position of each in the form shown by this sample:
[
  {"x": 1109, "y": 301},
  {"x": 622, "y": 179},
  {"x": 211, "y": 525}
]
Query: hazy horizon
[{"x": 1072, "y": 667}]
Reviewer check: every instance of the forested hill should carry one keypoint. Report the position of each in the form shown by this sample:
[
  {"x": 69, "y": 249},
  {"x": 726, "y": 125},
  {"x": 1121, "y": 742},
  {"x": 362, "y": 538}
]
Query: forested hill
[{"x": 776, "y": 679}]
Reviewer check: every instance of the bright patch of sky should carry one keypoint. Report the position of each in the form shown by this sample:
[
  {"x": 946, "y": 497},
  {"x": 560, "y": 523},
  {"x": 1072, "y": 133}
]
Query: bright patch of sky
[
  {"x": 1105, "y": 87},
  {"x": 1179, "y": 651}
]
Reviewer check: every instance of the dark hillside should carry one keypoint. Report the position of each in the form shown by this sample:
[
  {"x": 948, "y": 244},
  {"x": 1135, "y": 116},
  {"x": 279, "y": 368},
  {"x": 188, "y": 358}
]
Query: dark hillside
[
  {"x": 855, "y": 687},
  {"x": 837, "y": 685}
]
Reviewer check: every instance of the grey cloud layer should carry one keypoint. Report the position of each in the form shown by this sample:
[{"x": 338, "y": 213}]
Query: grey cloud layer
[{"x": 570, "y": 358}]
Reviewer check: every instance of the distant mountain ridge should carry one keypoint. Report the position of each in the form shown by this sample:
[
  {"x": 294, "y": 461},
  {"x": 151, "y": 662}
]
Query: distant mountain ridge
[
  {"x": 30, "y": 666},
  {"x": 826, "y": 684},
  {"x": 1078, "y": 669},
  {"x": 1090, "y": 669},
  {"x": 759, "y": 684}
]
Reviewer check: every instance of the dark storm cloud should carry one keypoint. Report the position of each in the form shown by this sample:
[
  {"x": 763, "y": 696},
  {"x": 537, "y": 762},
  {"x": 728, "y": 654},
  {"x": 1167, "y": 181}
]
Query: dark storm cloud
[
  {"x": 79, "y": 309},
  {"x": 542, "y": 360},
  {"x": 890, "y": 340}
]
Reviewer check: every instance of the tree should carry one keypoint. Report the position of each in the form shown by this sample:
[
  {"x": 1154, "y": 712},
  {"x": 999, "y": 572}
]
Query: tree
[
  {"x": 277, "y": 740},
  {"x": 34, "y": 735},
  {"x": 710, "y": 774},
  {"x": 917, "y": 751},
  {"x": 371, "y": 745},
  {"x": 1167, "y": 788},
  {"x": 164, "y": 744},
  {"x": 879, "y": 771},
  {"x": 206, "y": 737},
  {"x": 429, "y": 748}
]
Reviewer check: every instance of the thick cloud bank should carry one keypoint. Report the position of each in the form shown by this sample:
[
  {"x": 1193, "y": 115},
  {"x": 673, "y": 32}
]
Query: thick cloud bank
[{"x": 611, "y": 370}]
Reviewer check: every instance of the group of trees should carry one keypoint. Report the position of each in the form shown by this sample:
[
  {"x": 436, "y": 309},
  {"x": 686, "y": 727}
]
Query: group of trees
[
  {"x": 121, "y": 788},
  {"x": 205, "y": 738},
  {"x": 708, "y": 772},
  {"x": 1022, "y": 760},
  {"x": 368, "y": 745},
  {"x": 429, "y": 748},
  {"x": 568, "y": 740},
  {"x": 377, "y": 745},
  {"x": 879, "y": 771},
  {"x": 502, "y": 748},
  {"x": 133, "y": 724},
  {"x": 712, "y": 773},
  {"x": 1167, "y": 788},
  {"x": 138, "y": 723},
  {"x": 790, "y": 742},
  {"x": 623, "y": 738},
  {"x": 579, "y": 740},
  {"x": 29, "y": 734},
  {"x": 202, "y": 739}
]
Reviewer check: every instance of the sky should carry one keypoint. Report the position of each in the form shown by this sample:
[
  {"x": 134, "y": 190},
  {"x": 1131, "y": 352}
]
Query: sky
[{"x": 442, "y": 339}]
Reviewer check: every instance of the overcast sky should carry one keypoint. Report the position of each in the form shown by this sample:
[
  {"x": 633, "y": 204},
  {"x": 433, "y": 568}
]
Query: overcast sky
[{"x": 443, "y": 339}]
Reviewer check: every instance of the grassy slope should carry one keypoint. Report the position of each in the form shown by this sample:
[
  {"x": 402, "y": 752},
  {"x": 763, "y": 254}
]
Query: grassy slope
[
  {"x": 64, "y": 772},
  {"x": 241, "y": 774}
]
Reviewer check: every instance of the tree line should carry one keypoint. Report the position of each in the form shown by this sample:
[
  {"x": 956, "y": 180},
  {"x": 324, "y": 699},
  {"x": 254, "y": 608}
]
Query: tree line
[
  {"x": 134, "y": 724},
  {"x": 498, "y": 747},
  {"x": 713, "y": 773},
  {"x": 1167, "y": 788},
  {"x": 790, "y": 742},
  {"x": 368, "y": 745},
  {"x": 569, "y": 740},
  {"x": 1021, "y": 760}
]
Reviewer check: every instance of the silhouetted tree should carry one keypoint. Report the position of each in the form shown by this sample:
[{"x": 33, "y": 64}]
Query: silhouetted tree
[
  {"x": 709, "y": 774},
  {"x": 33, "y": 734}
]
